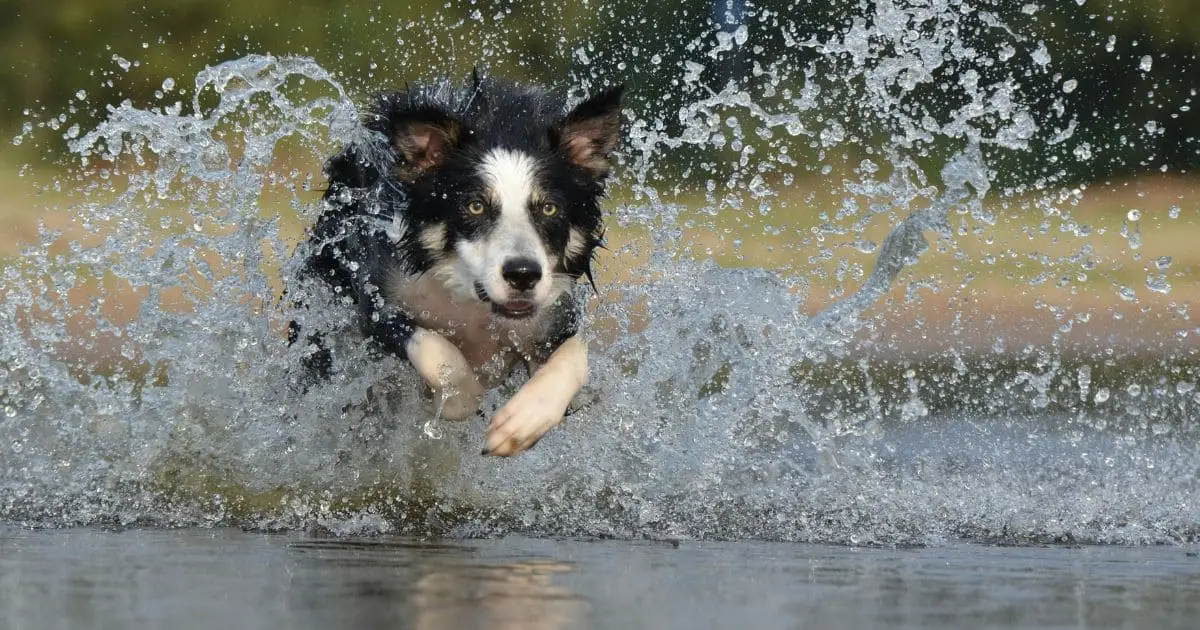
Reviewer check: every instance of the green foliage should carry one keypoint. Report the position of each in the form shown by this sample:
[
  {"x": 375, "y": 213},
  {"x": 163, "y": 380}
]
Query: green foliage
[{"x": 56, "y": 50}]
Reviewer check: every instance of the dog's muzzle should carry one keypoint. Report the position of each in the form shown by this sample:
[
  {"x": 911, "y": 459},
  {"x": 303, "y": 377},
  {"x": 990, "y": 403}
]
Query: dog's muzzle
[{"x": 512, "y": 309}]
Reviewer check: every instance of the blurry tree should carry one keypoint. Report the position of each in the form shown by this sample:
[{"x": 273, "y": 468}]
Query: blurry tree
[{"x": 78, "y": 56}]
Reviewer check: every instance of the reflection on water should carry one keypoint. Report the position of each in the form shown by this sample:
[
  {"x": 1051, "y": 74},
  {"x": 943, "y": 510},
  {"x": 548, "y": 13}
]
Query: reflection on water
[
  {"x": 224, "y": 578},
  {"x": 431, "y": 586},
  {"x": 517, "y": 595}
]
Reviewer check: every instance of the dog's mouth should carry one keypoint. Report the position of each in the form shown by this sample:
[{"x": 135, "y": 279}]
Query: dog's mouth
[{"x": 512, "y": 309}]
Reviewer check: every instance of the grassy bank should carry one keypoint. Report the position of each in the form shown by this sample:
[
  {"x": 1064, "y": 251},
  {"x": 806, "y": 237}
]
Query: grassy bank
[{"x": 1071, "y": 271}]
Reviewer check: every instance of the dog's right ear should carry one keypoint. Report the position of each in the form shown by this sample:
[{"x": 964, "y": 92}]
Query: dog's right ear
[
  {"x": 590, "y": 132},
  {"x": 422, "y": 137}
]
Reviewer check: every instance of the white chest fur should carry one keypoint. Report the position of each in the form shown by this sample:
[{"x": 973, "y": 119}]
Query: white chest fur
[{"x": 491, "y": 344}]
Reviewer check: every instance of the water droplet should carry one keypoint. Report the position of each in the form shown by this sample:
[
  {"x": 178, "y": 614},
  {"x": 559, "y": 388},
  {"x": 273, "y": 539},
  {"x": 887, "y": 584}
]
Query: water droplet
[
  {"x": 432, "y": 429},
  {"x": 1069, "y": 85},
  {"x": 1102, "y": 395},
  {"x": 1145, "y": 64},
  {"x": 833, "y": 134},
  {"x": 168, "y": 84},
  {"x": 1135, "y": 243},
  {"x": 1134, "y": 390},
  {"x": 1134, "y": 214},
  {"x": 1162, "y": 262},
  {"x": 1127, "y": 294},
  {"x": 1041, "y": 56},
  {"x": 1158, "y": 284},
  {"x": 865, "y": 246}
]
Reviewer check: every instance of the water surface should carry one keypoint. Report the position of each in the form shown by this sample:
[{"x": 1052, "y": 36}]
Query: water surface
[{"x": 200, "y": 578}]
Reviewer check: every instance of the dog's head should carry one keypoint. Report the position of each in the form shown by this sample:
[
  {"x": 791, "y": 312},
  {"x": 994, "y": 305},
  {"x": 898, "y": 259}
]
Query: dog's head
[{"x": 503, "y": 187}]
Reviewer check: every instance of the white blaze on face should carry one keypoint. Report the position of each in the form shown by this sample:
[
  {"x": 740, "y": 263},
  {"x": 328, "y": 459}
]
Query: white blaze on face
[{"x": 510, "y": 178}]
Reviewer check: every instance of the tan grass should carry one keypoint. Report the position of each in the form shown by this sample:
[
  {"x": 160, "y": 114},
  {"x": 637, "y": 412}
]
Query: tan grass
[{"x": 1017, "y": 266}]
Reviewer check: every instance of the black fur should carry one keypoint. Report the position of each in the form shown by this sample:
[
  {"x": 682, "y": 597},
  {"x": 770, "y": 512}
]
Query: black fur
[{"x": 417, "y": 163}]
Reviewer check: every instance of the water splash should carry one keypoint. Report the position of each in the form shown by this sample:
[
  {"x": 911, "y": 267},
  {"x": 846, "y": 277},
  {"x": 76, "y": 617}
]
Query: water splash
[{"x": 146, "y": 379}]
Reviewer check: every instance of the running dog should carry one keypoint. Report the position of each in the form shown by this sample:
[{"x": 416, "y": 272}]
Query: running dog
[{"x": 457, "y": 230}]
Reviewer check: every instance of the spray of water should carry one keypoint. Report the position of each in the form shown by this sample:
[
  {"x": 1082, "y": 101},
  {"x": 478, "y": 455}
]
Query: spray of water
[{"x": 145, "y": 379}]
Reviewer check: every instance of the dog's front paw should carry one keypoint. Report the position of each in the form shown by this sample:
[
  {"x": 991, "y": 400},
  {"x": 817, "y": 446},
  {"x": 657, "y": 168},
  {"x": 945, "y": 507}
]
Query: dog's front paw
[
  {"x": 518, "y": 425},
  {"x": 541, "y": 403},
  {"x": 456, "y": 391},
  {"x": 460, "y": 400}
]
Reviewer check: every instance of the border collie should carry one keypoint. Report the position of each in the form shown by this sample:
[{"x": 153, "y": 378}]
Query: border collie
[{"x": 458, "y": 230}]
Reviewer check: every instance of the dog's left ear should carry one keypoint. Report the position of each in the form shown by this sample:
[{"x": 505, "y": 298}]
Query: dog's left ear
[
  {"x": 423, "y": 138},
  {"x": 590, "y": 132}
]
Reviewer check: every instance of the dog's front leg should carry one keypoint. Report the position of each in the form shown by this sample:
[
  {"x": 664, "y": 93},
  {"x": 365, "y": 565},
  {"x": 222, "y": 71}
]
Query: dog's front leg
[
  {"x": 440, "y": 363},
  {"x": 540, "y": 405},
  {"x": 455, "y": 388}
]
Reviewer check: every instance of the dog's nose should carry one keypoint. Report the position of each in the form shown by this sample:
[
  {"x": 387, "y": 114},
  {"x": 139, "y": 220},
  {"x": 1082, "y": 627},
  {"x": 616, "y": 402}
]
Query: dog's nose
[{"x": 521, "y": 273}]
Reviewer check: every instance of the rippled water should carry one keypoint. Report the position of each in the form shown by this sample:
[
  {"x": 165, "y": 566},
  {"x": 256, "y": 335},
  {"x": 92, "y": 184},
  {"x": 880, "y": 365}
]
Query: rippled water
[
  {"x": 146, "y": 380},
  {"x": 223, "y": 578}
]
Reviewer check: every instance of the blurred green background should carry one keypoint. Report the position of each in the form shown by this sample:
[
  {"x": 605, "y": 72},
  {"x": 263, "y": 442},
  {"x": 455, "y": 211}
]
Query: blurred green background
[{"x": 55, "y": 49}]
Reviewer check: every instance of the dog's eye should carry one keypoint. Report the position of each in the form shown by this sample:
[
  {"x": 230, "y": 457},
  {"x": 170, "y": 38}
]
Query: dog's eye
[
  {"x": 476, "y": 207},
  {"x": 549, "y": 208}
]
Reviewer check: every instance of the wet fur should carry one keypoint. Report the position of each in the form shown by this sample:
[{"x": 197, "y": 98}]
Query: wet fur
[{"x": 457, "y": 228}]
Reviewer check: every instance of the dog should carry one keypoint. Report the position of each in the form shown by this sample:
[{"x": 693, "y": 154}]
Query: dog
[{"x": 458, "y": 230}]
